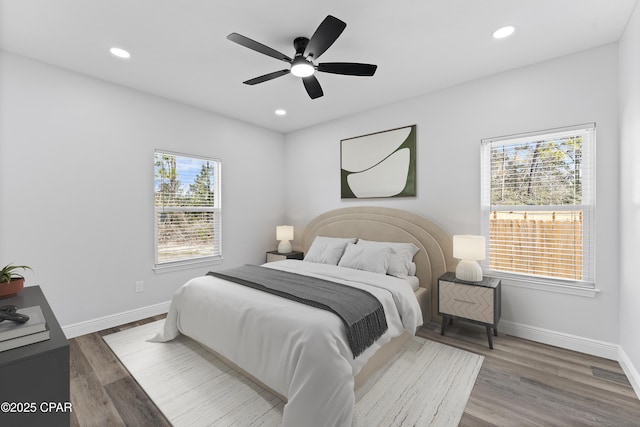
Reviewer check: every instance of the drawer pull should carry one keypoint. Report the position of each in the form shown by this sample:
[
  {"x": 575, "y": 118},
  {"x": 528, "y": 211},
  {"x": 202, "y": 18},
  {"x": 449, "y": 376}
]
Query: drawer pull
[{"x": 461, "y": 300}]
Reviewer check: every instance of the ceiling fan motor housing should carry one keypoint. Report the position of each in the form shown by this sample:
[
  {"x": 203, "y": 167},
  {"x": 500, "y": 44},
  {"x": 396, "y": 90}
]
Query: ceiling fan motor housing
[{"x": 300, "y": 44}]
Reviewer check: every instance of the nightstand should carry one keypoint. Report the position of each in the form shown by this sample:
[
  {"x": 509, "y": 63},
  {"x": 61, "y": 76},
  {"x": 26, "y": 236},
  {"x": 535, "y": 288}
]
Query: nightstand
[
  {"x": 477, "y": 302},
  {"x": 277, "y": 256}
]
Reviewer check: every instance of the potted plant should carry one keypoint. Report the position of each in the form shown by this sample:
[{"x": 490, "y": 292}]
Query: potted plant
[{"x": 10, "y": 282}]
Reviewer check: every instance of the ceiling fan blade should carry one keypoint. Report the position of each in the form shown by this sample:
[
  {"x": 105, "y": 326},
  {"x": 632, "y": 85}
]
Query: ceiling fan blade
[
  {"x": 258, "y": 47},
  {"x": 312, "y": 85},
  {"x": 326, "y": 33},
  {"x": 266, "y": 77},
  {"x": 348, "y": 68}
]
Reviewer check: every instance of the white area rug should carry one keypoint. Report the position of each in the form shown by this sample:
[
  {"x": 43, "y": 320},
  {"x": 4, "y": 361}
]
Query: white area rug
[{"x": 427, "y": 385}]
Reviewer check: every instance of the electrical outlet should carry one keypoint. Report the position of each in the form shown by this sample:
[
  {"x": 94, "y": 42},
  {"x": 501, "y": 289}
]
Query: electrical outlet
[{"x": 139, "y": 286}]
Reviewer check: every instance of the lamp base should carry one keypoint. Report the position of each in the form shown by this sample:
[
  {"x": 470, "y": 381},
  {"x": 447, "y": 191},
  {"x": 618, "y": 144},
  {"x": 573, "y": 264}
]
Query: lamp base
[
  {"x": 284, "y": 247},
  {"x": 469, "y": 271}
]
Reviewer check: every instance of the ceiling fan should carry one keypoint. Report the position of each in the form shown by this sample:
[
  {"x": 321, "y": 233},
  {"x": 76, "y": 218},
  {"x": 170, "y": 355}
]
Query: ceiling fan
[{"x": 308, "y": 50}]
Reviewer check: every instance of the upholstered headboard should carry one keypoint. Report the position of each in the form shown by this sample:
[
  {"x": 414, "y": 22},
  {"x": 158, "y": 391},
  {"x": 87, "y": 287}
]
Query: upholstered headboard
[{"x": 392, "y": 225}]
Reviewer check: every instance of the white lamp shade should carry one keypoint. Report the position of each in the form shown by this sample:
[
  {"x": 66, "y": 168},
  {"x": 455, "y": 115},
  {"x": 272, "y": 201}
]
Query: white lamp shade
[
  {"x": 469, "y": 247},
  {"x": 284, "y": 232}
]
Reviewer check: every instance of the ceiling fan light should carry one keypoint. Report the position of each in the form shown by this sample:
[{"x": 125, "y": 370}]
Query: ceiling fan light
[{"x": 300, "y": 67}]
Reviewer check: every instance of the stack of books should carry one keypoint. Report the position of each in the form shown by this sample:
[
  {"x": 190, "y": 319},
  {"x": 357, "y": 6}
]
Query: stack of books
[{"x": 13, "y": 334}]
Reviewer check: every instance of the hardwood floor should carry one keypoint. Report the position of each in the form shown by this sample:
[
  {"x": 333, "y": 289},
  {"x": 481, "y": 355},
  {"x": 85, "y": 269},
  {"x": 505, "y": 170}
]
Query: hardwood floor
[
  {"x": 521, "y": 383},
  {"x": 102, "y": 391},
  {"x": 524, "y": 383}
]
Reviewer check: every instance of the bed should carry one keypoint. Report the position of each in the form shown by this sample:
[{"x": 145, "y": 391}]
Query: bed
[{"x": 301, "y": 353}]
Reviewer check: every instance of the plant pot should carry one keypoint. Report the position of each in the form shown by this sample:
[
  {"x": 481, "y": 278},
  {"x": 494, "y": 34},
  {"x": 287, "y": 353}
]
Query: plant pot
[{"x": 10, "y": 289}]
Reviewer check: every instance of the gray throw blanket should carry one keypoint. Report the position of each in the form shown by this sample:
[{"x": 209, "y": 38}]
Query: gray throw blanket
[{"x": 361, "y": 312}]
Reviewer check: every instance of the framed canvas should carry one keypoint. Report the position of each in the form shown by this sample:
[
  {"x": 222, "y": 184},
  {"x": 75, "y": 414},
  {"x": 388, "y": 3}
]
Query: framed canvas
[{"x": 381, "y": 164}]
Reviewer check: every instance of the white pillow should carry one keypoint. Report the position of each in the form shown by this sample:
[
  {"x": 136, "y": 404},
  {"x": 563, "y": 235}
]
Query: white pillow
[
  {"x": 327, "y": 250},
  {"x": 401, "y": 259},
  {"x": 367, "y": 258}
]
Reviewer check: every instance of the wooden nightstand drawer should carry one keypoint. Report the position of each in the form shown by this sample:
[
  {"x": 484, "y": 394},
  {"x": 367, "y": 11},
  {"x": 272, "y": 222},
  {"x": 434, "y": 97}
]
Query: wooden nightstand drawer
[{"x": 470, "y": 302}]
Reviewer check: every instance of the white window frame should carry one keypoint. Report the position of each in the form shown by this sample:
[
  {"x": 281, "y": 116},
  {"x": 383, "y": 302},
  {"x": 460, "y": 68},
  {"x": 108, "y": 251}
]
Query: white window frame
[
  {"x": 585, "y": 287},
  {"x": 216, "y": 258}
]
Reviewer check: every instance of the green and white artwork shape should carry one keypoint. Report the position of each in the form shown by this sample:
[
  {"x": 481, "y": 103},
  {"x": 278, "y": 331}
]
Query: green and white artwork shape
[{"x": 381, "y": 164}]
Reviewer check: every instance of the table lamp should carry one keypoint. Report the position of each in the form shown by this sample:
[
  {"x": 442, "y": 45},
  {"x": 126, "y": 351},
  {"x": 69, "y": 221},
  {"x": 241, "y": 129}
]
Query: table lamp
[
  {"x": 469, "y": 249},
  {"x": 284, "y": 233}
]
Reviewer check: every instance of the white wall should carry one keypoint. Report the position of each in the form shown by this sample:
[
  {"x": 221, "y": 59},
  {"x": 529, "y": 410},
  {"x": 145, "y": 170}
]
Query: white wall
[
  {"x": 76, "y": 186},
  {"x": 570, "y": 90},
  {"x": 630, "y": 197}
]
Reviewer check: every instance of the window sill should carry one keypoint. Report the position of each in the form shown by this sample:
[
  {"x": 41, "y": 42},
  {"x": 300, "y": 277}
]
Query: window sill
[
  {"x": 186, "y": 265},
  {"x": 545, "y": 285}
]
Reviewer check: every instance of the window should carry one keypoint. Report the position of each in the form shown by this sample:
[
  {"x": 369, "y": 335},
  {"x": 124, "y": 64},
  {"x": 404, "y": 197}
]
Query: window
[
  {"x": 538, "y": 206},
  {"x": 187, "y": 209}
]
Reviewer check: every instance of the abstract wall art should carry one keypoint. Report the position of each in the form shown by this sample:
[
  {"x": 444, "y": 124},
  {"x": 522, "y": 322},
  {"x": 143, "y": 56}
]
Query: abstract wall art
[{"x": 381, "y": 164}]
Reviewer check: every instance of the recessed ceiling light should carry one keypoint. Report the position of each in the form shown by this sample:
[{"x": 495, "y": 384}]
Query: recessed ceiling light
[
  {"x": 503, "y": 32},
  {"x": 120, "y": 53},
  {"x": 280, "y": 112}
]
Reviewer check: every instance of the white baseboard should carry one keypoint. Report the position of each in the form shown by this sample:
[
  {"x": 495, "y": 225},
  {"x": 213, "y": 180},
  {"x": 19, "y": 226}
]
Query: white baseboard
[
  {"x": 560, "y": 339},
  {"x": 106, "y": 322},
  {"x": 632, "y": 373}
]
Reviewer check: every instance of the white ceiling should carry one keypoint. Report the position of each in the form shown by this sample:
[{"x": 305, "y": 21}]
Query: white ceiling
[{"x": 180, "y": 51}]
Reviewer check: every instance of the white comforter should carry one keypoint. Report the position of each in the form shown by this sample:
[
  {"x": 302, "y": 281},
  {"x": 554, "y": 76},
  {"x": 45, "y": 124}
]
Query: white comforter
[{"x": 299, "y": 351}]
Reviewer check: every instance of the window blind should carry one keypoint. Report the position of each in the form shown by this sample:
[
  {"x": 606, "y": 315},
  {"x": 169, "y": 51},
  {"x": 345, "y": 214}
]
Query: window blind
[
  {"x": 187, "y": 209},
  {"x": 538, "y": 204}
]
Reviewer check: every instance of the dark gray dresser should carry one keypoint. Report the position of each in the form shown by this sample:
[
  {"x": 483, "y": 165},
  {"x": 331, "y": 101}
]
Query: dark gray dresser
[{"x": 34, "y": 379}]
